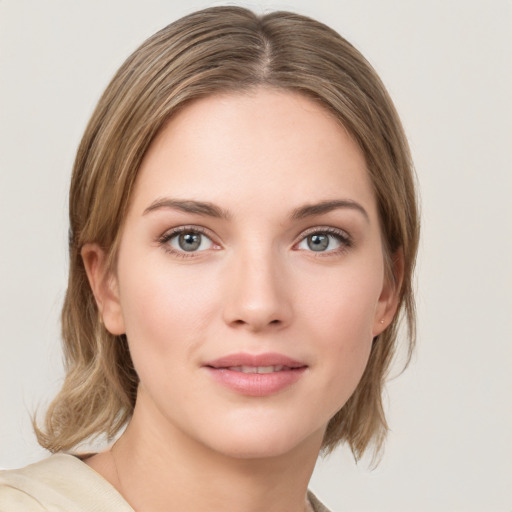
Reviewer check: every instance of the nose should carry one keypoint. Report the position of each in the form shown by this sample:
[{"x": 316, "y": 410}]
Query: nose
[{"x": 258, "y": 296}]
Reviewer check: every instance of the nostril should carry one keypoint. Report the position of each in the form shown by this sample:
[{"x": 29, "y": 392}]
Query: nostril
[{"x": 243, "y": 322}]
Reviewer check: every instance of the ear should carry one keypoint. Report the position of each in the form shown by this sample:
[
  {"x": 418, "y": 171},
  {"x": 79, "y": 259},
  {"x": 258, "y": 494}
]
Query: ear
[
  {"x": 390, "y": 294},
  {"x": 105, "y": 288}
]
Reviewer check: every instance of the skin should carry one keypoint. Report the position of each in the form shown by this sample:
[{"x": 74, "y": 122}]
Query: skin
[{"x": 253, "y": 286}]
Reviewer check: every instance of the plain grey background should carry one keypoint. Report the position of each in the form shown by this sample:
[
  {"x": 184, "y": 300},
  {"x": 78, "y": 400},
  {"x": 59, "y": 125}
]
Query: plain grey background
[{"x": 448, "y": 67}]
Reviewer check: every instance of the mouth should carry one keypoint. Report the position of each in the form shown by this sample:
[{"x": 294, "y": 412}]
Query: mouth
[
  {"x": 253, "y": 363},
  {"x": 256, "y": 375},
  {"x": 259, "y": 369}
]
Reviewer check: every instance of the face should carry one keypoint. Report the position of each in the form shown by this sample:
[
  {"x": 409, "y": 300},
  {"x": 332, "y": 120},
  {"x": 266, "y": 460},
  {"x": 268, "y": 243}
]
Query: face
[{"x": 250, "y": 278}]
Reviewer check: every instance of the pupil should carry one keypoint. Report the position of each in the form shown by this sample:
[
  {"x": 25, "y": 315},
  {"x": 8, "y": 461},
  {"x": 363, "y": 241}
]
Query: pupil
[
  {"x": 189, "y": 241},
  {"x": 318, "y": 242}
]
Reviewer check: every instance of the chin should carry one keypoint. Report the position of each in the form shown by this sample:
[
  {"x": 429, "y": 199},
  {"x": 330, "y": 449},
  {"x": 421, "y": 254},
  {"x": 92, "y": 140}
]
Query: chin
[{"x": 260, "y": 443}]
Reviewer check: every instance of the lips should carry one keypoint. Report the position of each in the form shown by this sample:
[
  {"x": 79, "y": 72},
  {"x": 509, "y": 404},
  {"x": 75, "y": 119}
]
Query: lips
[
  {"x": 259, "y": 369},
  {"x": 255, "y": 361},
  {"x": 256, "y": 375}
]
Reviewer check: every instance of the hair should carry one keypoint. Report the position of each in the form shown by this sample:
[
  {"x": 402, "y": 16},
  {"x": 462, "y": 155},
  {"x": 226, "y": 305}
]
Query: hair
[{"x": 222, "y": 50}]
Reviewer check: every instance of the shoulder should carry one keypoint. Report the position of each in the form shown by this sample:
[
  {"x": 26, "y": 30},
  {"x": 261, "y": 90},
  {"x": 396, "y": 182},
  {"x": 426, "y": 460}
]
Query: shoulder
[
  {"x": 63, "y": 483},
  {"x": 59, "y": 483},
  {"x": 316, "y": 504},
  {"x": 13, "y": 499}
]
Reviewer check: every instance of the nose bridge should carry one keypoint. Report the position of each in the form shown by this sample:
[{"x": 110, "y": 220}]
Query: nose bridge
[{"x": 257, "y": 291}]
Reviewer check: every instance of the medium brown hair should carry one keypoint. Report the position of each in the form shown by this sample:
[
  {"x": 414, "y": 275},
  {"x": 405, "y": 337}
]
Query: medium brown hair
[{"x": 221, "y": 49}]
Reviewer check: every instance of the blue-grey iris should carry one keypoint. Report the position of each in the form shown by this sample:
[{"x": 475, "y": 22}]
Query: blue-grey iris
[
  {"x": 318, "y": 242},
  {"x": 189, "y": 241}
]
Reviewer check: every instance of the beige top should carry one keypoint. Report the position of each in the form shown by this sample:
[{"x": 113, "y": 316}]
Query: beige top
[{"x": 63, "y": 483}]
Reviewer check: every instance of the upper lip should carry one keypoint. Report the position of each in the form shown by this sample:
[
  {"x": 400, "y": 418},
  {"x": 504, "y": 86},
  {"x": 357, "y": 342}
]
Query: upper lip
[{"x": 243, "y": 359}]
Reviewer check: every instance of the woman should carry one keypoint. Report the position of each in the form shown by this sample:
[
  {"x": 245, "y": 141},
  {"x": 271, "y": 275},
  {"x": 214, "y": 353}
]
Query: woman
[{"x": 243, "y": 232}]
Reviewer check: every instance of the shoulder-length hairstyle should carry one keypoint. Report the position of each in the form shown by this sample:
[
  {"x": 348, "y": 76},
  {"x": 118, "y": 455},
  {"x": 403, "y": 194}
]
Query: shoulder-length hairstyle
[{"x": 219, "y": 50}]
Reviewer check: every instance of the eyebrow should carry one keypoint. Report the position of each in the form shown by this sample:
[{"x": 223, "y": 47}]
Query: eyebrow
[
  {"x": 212, "y": 210},
  {"x": 323, "y": 207},
  {"x": 189, "y": 206}
]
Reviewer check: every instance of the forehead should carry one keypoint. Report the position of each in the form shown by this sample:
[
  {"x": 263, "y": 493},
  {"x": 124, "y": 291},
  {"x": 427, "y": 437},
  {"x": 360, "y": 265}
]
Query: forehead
[{"x": 260, "y": 145}]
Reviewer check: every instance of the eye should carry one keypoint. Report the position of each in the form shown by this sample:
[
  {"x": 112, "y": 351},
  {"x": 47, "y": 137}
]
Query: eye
[
  {"x": 187, "y": 241},
  {"x": 324, "y": 241}
]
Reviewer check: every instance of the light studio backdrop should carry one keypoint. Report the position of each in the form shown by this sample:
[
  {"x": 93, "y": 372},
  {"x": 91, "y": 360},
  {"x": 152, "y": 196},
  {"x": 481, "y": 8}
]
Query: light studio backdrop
[{"x": 448, "y": 67}]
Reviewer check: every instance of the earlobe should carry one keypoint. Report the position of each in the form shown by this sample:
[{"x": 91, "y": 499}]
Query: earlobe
[
  {"x": 104, "y": 287},
  {"x": 390, "y": 295}
]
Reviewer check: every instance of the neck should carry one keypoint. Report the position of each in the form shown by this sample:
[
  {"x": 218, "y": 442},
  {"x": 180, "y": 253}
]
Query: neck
[{"x": 165, "y": 469}]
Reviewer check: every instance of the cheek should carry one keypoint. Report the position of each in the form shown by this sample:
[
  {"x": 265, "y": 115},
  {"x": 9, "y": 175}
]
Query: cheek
[
  {"x": 341, "y": 320},
  {"x": 347, "y": 344},
  {"x": 344, "y": 303},
  {"x": 165, "y": 310}
]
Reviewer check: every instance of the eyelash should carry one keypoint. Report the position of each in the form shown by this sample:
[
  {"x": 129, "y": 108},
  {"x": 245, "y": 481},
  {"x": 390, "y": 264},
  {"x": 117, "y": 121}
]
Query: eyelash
[
  {"x": 342, "y": 236},
  {"x": 169, "y": 235}
]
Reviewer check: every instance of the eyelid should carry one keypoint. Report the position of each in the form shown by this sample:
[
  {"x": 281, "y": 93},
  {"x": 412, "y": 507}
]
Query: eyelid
[
  {"x": 192, "y": 228},
  {"x": 344, "y": 237},
  {"x": 169, "y": 233},
  {"x": 330, "y": 230}
]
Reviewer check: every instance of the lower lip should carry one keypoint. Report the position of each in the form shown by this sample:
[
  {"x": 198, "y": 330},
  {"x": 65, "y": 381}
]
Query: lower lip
[{"x": 256, "y": 384}]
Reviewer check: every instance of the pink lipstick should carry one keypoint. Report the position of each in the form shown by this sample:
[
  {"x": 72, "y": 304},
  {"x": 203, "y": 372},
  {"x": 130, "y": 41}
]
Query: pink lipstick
[{"x": 256, "y": 375}]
